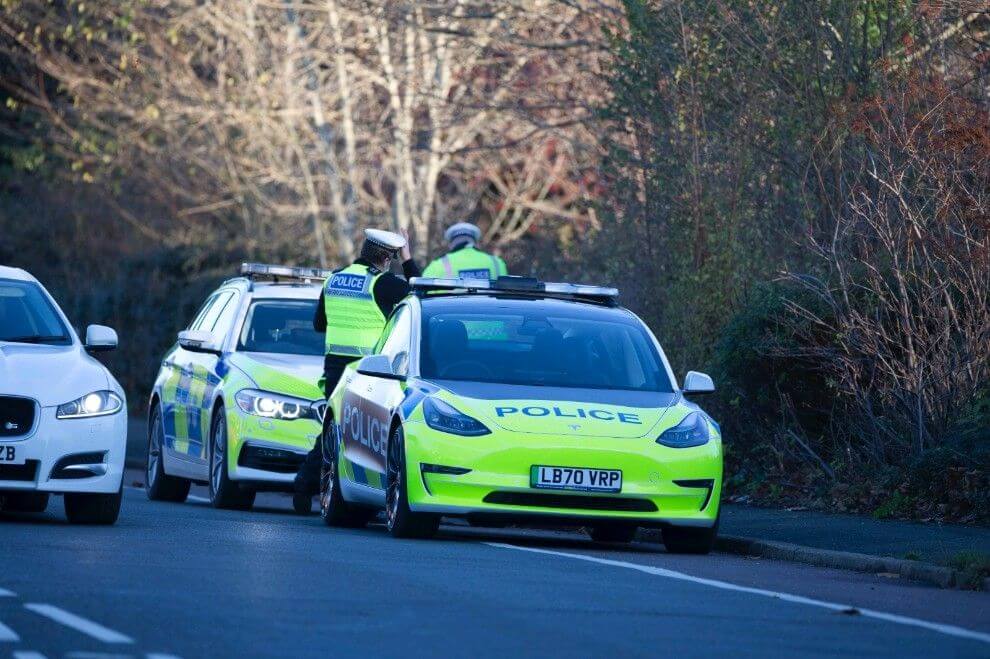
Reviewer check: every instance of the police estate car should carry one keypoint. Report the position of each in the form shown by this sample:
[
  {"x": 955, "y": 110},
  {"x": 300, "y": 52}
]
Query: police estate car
[
  {"x": 237, "y": 402},
  {"x": 519, "y": 401},
  {"x": 63, "y": 420}
]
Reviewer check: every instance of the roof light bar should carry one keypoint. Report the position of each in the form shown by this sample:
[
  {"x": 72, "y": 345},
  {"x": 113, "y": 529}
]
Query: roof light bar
[
  {"x": 285, "y": 271},
  {"x": 515, "y": 285}
]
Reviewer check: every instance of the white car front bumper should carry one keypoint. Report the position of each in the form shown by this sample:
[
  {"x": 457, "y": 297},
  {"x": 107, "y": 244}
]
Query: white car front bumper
[{"x": 51, "y": 458}]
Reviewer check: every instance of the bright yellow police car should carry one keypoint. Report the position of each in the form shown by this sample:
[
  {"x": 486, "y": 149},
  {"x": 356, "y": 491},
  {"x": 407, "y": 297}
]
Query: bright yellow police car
[
  {"x": 516, "y": 401},
  {"x": 237, "y": 404}
]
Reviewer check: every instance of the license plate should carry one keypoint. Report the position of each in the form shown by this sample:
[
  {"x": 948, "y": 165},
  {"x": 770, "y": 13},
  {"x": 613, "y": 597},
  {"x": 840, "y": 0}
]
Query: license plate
[
  {"x": 8, "y": 455},
  {"x": 576, "y": 478}
]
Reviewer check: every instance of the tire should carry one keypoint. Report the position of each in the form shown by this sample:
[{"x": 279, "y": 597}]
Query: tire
[
  {"x": 159, "y": 486},
  {"x": 94, "y": 509},
  {"x": 400, "y": 520},
  {"x": 334, "y": 509},
  {"x": 620, "y": 533},
  {"x": 224, "y": 493},
  {"x": 24, "y": 502},
  {"x": 690, "y": 539}
]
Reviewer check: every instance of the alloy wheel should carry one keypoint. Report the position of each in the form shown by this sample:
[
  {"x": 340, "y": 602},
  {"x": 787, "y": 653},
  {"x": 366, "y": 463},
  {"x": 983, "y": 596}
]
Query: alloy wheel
[
  {"x": 393, "y": 480},
  {"x": 154, "y": 453},
  {"x": 217, "y": 457}
]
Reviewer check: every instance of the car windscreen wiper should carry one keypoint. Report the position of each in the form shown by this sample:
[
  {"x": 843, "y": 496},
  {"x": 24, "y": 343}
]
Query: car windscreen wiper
[{"x": 35, "y": 338}]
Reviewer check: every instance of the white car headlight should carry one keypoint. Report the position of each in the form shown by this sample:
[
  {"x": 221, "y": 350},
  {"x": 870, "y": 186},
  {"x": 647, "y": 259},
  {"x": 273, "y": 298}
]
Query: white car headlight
[
  {"x": 275, "y": 406},
  {"x": 98, "y": 403}
]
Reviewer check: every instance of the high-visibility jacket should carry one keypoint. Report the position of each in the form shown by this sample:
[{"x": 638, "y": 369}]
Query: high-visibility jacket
[
  {"x": 354, "y": 320},
  {"x": 467, "y": 263}
]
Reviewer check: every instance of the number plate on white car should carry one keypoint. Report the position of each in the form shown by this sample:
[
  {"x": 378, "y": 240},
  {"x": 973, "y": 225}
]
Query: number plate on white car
[
  {"x": 8, "y": 455},
  {"x": 576, "y": 478}
]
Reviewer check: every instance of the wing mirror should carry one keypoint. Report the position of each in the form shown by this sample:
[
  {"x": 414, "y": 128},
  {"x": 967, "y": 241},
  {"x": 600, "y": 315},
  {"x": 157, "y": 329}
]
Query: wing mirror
[
  {"x": 100, "y": 338},
  {"x": 199, "y": 341},
  {"x": 378, "y": 366},
  {"x": 698, "y": 383}
]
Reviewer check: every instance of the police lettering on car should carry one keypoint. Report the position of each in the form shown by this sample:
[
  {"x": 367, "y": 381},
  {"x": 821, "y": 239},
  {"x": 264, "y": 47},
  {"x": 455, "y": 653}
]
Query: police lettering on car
[{"x": 575, "y": 413}]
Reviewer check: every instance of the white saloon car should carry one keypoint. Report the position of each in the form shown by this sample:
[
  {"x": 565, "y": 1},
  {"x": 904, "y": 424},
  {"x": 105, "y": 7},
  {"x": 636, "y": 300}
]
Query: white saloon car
[{"x": 63, "y": 420}]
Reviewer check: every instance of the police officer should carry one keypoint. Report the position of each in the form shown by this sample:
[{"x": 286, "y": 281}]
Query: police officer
[
  {"x": 464, "y": 259},
  {"x": 353, "y": 307}
]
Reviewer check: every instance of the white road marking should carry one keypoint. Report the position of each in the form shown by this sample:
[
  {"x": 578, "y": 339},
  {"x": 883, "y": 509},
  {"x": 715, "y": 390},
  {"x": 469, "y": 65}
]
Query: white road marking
[
  {"x": 29, "y": 655},
  {"x": 949, "y": 630},
  {"x": 88, "y": 627},
  {"x": 8, "y": 635},
  {"x": 6, "y": 593}
]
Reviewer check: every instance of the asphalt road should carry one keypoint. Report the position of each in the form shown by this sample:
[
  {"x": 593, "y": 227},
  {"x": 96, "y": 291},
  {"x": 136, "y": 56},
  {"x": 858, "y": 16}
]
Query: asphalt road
[{"x": 189, "y": 581}]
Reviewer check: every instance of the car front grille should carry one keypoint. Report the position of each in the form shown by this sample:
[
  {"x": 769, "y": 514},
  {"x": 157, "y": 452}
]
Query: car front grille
[
  {"x": 571, "y": 501},
  {"x": 16, "y": 416},
  {"x": 19, "y": 473},
  {"x": 278, "y": 460}
]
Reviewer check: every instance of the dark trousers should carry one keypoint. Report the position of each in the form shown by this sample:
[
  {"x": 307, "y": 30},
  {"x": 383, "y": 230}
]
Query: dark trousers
[{"x": 308, "y": 476}]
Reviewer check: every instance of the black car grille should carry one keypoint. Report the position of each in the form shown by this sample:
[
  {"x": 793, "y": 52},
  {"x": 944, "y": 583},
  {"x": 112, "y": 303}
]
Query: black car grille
[
  {"x": 572, "y": 501},
  {"x": 270, "y": 459},
  {"x": 16, "y": 416},
  {"x": 20, "y": 473}
]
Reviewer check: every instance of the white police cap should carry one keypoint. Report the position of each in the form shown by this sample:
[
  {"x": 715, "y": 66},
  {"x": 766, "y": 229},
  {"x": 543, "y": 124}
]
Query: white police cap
[
  {"x": 386, "y": 239},
  {"x": 462, "y": 230}
]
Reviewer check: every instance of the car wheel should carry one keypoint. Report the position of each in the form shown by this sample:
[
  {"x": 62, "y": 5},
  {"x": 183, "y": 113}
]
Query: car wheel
[
  {"x": 159, "y": 486},
  {"x": 24, "y": 502},
  {"x": 224, "y": 493},
  {"x": 334, "y": 509},
  {"x": 689, "y": 539},
  {"x": 94, "y": 509},
  {"x": 401, "y": 521},
  {"x": 613, "y": 533}
]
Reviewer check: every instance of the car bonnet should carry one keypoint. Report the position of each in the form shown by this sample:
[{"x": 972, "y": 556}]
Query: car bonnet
[{"x": 560, "y": 410}]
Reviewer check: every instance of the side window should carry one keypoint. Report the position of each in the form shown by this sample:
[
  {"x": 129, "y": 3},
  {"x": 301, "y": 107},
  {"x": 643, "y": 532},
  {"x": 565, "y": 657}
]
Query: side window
[
  {"x": 209, "y": 319},
  {"x": 203, "y": 310},
  {"x": 226, "y": 318},
  {"x": 396, "y": 340}
]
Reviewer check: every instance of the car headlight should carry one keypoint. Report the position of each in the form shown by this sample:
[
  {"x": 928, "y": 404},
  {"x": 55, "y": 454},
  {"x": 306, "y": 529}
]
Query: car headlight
[
  {"x": 275, "y": 406},
  {"x": 445, "y": 418},
  {"x": 693, "y": 430},
  {"x": 98, "y": 403}
]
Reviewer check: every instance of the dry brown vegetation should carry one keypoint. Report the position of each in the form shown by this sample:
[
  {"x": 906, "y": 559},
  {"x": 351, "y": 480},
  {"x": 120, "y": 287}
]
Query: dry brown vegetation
[{"x": 793, "y": 193}]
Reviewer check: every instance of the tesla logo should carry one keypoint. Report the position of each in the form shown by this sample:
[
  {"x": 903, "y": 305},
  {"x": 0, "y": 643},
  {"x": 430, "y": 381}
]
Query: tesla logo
[{"x": 10, "y": 425}]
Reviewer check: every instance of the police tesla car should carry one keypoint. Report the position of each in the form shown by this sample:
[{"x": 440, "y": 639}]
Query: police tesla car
[
  {"x": 515, "y": 401},
  {"x": 237, "y": 404},
  {"x": 63, "y": 421}
]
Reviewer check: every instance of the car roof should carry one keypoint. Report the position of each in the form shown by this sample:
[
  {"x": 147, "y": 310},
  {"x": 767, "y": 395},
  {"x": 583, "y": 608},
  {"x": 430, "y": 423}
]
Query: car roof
[
  {"x": 290, "y": 290},
  {"x": 492, "y": 302},
  {"x": 6, "y": 272}
]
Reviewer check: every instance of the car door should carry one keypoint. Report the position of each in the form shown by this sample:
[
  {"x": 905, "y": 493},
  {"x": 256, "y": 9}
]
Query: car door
[
  {"x": 368, "y": 405},
  {"x": 203, "y": 378},
  {"x": 176, "y": 386}
]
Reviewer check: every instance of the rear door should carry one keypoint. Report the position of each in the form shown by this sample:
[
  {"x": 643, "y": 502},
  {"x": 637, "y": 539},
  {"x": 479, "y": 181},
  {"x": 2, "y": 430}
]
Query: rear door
[{"x": 368, "y": 405}]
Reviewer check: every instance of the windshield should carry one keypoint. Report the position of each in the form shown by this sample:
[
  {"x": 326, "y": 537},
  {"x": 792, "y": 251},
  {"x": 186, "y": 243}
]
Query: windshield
[
  {"x": 281, "y": 326},
  {"x": 27, "y": 315},
  {"x": 527, "y": 343}
]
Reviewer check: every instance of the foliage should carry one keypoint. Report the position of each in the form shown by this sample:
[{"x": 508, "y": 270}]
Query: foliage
[{"x": 796, "y": 198}]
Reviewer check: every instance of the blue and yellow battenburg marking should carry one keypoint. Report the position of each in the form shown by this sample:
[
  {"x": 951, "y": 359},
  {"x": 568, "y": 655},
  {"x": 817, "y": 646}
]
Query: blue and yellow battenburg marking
[{"x": 187, "y": 419}]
